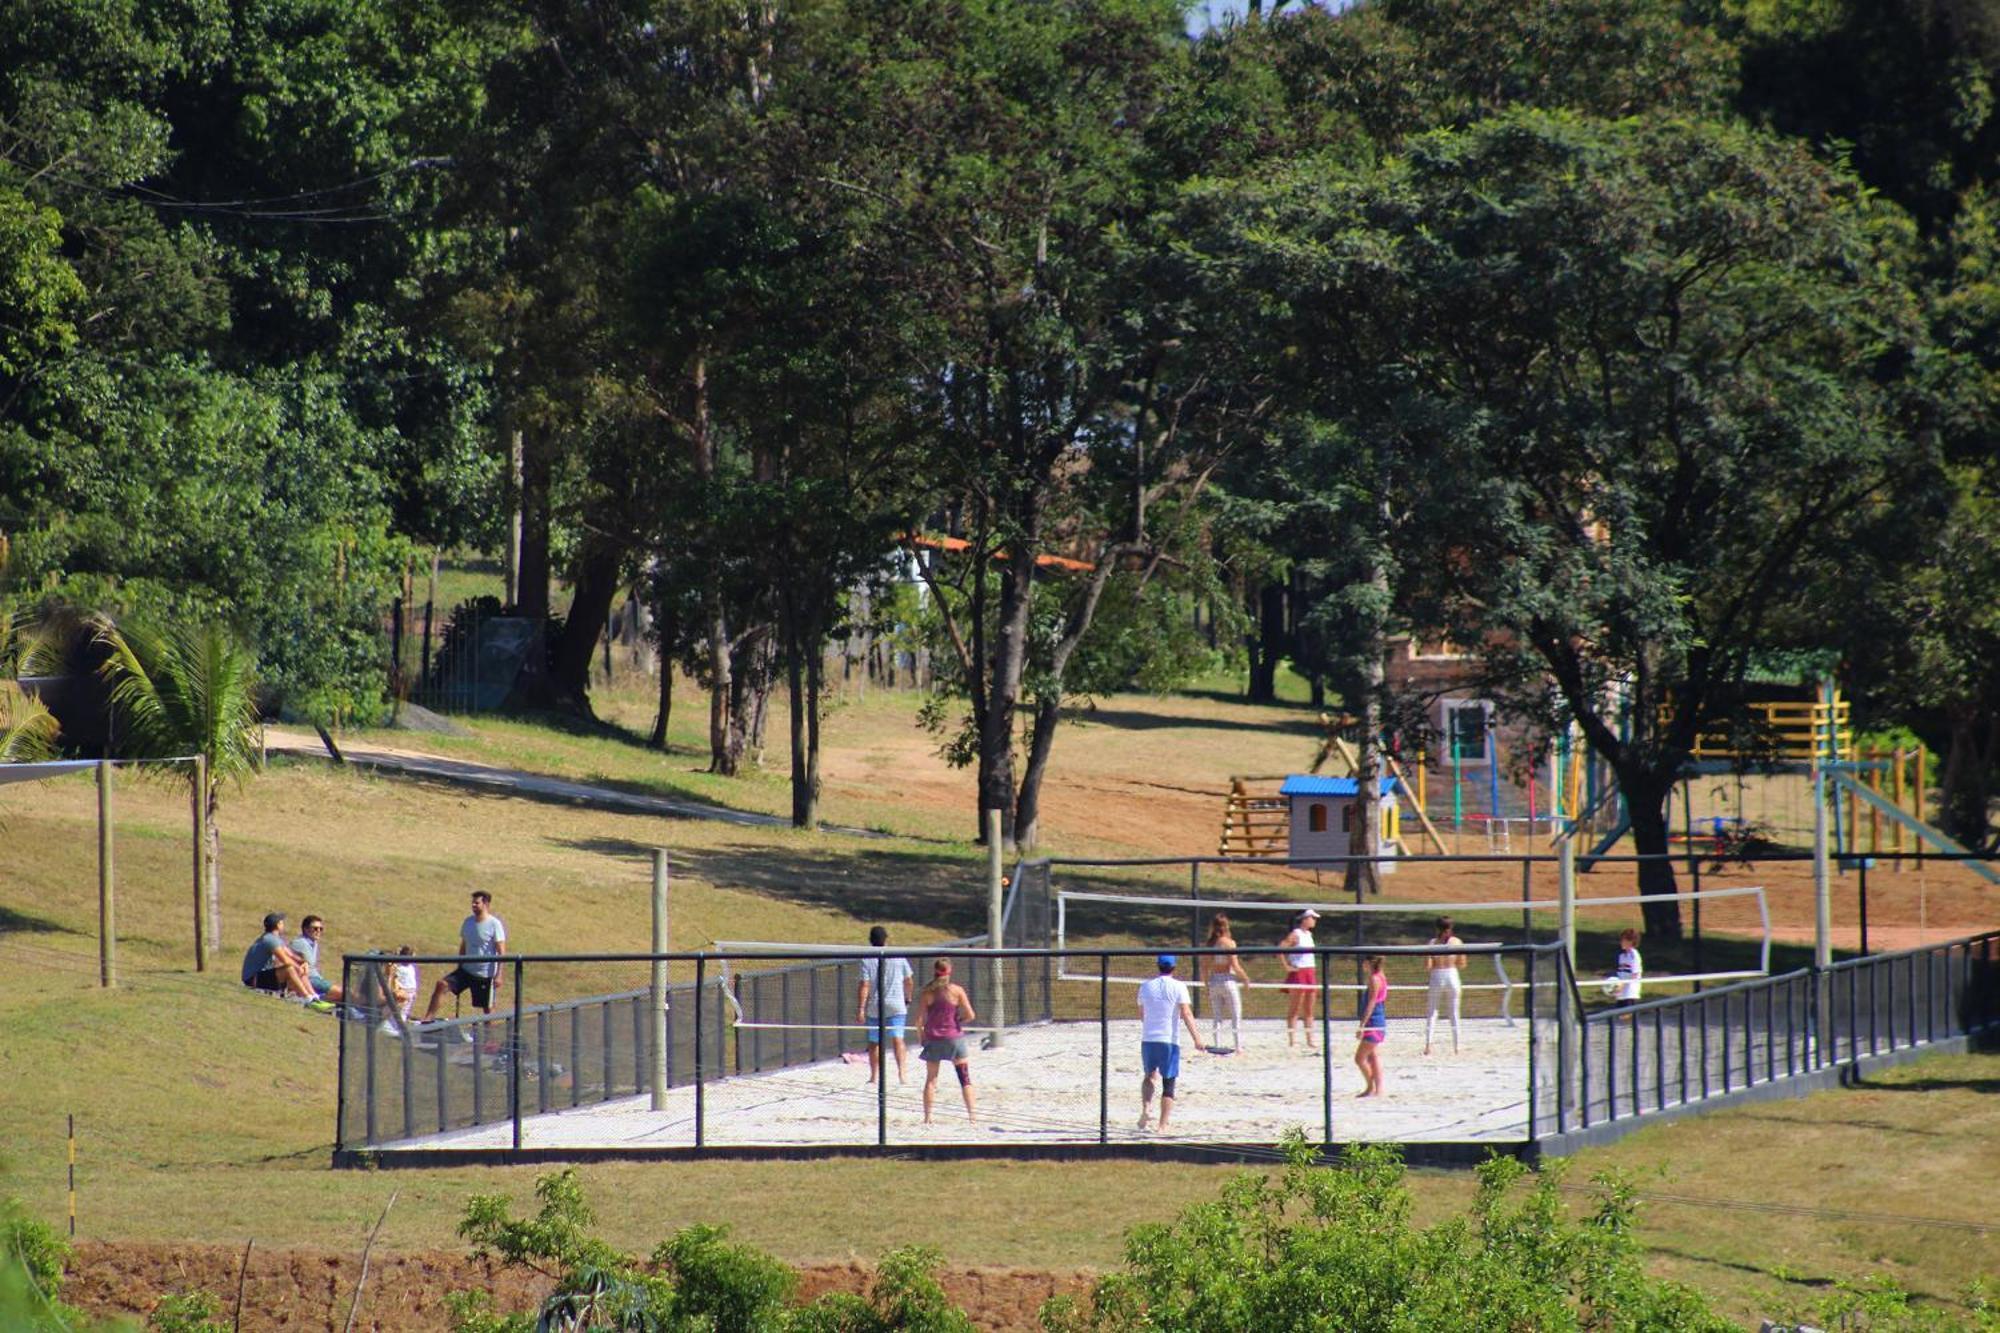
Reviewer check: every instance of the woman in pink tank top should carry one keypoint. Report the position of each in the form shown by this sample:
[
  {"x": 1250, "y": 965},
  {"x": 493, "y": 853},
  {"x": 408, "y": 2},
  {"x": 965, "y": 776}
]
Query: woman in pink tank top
[{"x": 945, "y": 1011}]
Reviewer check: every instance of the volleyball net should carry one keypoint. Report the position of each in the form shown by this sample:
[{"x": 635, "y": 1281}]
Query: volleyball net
[{"x": 1081, "y": 918}]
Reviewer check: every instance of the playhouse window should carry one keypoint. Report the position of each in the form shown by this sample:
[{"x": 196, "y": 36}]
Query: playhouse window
[
  {"x": 1466, "y": 726},
  {"x": 1316, "y": 817},
  {"x": 1347, "y": 818}
]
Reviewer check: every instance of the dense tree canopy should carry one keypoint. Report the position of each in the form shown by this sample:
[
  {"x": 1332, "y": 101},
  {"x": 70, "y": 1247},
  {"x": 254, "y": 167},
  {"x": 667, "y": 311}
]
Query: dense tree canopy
[{"x": 1629, "y": 342}]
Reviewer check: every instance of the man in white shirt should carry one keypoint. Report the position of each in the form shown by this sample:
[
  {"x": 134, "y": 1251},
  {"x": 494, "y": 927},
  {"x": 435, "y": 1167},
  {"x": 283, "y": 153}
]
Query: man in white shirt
[
  {"x": 894, "y": 977},
  {"x": 1164, "y": 1008}
]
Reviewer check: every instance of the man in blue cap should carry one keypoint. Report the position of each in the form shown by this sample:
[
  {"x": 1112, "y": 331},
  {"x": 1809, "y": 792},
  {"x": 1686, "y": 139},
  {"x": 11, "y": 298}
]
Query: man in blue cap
[{"x": 1164, "y": 1007}]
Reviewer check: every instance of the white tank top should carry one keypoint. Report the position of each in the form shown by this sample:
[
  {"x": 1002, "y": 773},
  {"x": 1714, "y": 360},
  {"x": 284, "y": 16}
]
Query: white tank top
[{"x": 1299, "y": 960}]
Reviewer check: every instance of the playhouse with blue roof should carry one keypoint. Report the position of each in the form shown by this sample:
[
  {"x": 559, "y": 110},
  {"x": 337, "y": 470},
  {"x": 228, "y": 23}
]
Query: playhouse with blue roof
[{"x": 1322, "y": 814}]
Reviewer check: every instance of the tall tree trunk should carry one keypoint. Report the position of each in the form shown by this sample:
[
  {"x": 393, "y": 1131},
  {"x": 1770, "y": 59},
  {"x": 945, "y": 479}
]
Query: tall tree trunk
[
  {"x": 596, "y": 584},
  {"x": 1964, "y": 784},
  {"x": 511, "y": 441},
  {"x": 721, "y": 687},
  {"x": 803, "y": 672},
  {"x": 658, "y": 738},
  {"x": 1003, "y": 689},
  {"x": 756, "y": 660},
  {"x": 1268, "y": 645},
  {"x": 1645, "y": 793},
  {"x": 532, "y": 689},
  {"x": 1028, "y": 809},
  {"x": 1365, "y": 876},
  {"x": 214, "y": 887}
]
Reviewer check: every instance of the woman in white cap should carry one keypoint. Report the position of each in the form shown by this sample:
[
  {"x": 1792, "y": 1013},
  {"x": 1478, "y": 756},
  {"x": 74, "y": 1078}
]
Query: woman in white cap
[{"x": 1301, "y": 975}]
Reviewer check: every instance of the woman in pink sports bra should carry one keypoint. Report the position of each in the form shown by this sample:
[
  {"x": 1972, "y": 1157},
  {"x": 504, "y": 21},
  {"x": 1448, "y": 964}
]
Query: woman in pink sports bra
[
  {"x": 1374, "y": 1029},
  {"x": 945, "y": 1010}
]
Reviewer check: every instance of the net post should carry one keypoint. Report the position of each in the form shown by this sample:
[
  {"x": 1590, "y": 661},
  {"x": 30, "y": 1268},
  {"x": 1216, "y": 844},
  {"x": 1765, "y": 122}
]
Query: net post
[
  {"x": 1326, "y": 1043},
  {"x": 514, "y": 1058},
  {"x": 995, "y": 924},
  {"x": 657, "y": 1001},
  {"x": 1694, "y": 876},
  {"x": 1104, "y": 1048},
  {"x": 1194, "y": 923},
  {"x": 700, "y": 1074}
]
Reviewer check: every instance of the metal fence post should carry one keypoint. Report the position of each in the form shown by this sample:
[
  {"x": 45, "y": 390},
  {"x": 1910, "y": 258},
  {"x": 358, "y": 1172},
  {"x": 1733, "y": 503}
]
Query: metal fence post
[
  {"x": 882, "y": 1051},
  {"x": 369, "y": 1121},
  {"x": 1533, "y": 1035},
  {"x": 700, "y": 1074},
  {"x": 514, "y": 1045},
  {"x": 1104, "y": 1048},
  {"x": 340, "y": 1055},
  {"x": 1326, "y": 1042}
]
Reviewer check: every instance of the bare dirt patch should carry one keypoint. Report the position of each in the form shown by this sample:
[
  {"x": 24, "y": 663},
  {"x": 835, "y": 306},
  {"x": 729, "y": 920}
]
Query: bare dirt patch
[{"x": 300, "y": 1289}]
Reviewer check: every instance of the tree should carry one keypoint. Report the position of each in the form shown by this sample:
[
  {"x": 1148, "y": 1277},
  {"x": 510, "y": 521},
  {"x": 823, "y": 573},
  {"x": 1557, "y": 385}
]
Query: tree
[
  {"x": 182, "y": 691},
  {"x": 1647, "y": 377}
]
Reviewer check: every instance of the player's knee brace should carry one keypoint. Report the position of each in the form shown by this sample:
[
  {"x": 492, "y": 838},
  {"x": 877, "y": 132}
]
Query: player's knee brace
[
  {"x": 1167, "y": 1085},
  {"x": 964, "y": 1073}
]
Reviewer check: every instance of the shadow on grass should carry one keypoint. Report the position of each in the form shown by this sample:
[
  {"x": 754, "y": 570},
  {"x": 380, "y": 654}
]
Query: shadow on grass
[
  {"x": 1873, "y": 1126},
  {"x": 941, "y": 892},
  {"x": 12, "y": 921},
  {"x": 1129, "y": 719},
  {"x": 1984, "y": 1085}
]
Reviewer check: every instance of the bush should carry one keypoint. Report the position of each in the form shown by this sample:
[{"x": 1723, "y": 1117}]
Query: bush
[{"x": 1318, "y": 1247}]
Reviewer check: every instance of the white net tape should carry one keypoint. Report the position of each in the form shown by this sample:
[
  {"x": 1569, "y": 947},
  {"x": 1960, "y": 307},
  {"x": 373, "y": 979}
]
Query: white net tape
[{"x": 1541, "y": 907}]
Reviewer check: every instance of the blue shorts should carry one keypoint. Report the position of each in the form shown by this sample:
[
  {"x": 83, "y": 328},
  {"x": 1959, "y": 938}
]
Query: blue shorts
[
  {"x": 894, "y": 1022},
  {"x": 1161, "y": 1057}
]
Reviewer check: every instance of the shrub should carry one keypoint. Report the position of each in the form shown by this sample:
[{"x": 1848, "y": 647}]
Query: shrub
[{"x": 1320, "y": 1247}]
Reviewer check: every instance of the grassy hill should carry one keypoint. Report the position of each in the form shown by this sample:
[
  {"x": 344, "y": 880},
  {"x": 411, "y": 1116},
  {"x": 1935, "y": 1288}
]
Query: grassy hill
[{"x": 205, "y": 1113}]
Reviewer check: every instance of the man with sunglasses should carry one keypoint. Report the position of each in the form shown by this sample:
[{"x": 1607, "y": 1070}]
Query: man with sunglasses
[{"x": 306, "y": 946}]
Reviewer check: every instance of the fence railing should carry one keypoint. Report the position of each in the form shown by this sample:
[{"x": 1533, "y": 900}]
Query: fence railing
[
  {"x": 765, "y": 1055},
  {"x": 770, "y": 1013},
  {"x": 402, "y": 1081},
  {"x": 1649, "y": 1057}
]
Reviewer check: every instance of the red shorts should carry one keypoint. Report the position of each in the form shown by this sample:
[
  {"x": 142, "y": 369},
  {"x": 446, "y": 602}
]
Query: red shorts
[{"x": 1302, "y": 978}]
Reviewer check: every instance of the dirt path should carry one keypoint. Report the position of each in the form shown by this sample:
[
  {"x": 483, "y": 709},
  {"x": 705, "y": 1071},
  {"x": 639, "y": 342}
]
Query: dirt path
[{"x": 312, "y": 1290}]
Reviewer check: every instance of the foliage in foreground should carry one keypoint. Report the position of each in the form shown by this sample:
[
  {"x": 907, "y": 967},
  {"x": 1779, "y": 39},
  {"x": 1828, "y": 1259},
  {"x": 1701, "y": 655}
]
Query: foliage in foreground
[
  {"x": 1305, "y": 1247},
  {"x": 1313, "y": 1247},
  {"x": 32, "y": 1259},
  {"x": 697, "y": 1281}
]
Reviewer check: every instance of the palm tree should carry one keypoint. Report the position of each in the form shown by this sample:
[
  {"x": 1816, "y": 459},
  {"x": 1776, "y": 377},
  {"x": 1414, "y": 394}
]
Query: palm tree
[
  {"x": 185, "y": 691},
  {"x": 27, "y": 730}
]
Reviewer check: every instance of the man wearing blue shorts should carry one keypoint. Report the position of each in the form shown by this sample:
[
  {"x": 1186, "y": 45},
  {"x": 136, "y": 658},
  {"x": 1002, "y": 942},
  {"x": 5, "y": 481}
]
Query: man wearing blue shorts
[
  {"x": 1164, "y": 1008},
  {"x": 893, "y": 975}
]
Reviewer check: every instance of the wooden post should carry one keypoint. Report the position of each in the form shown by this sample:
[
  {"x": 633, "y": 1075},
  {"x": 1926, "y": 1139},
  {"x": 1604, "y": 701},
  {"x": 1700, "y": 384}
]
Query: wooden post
[
  {"x": 1923, "y": 757},
  {"x": 107, "y": 913},
  {"x": 659, "y": 995},
  {"x": 1896, "y": 790},
  {"x": 198, "y": 808},
  {"x": 1874, "y": 815}
]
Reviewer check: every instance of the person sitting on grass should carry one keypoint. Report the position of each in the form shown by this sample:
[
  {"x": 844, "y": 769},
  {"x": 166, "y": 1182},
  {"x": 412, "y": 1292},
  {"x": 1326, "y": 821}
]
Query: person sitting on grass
[
  {"x": 402, "y": 992},
  {"x": 306, "y": 946},
  {"x": 269, "y": 965}
]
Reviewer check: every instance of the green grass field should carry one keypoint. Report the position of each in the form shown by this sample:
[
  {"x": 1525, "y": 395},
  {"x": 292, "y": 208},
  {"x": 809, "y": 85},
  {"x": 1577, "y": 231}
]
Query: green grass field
[{"x": 205, "y": 1113}]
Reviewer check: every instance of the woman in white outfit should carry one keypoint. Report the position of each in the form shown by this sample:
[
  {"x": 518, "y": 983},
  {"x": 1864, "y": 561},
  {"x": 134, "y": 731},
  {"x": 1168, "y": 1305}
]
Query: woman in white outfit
[
  {"x": 1226, "y": 978},
  {"x": 1301, "y": 975},
  {"x": 1445, "y": 985}
]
